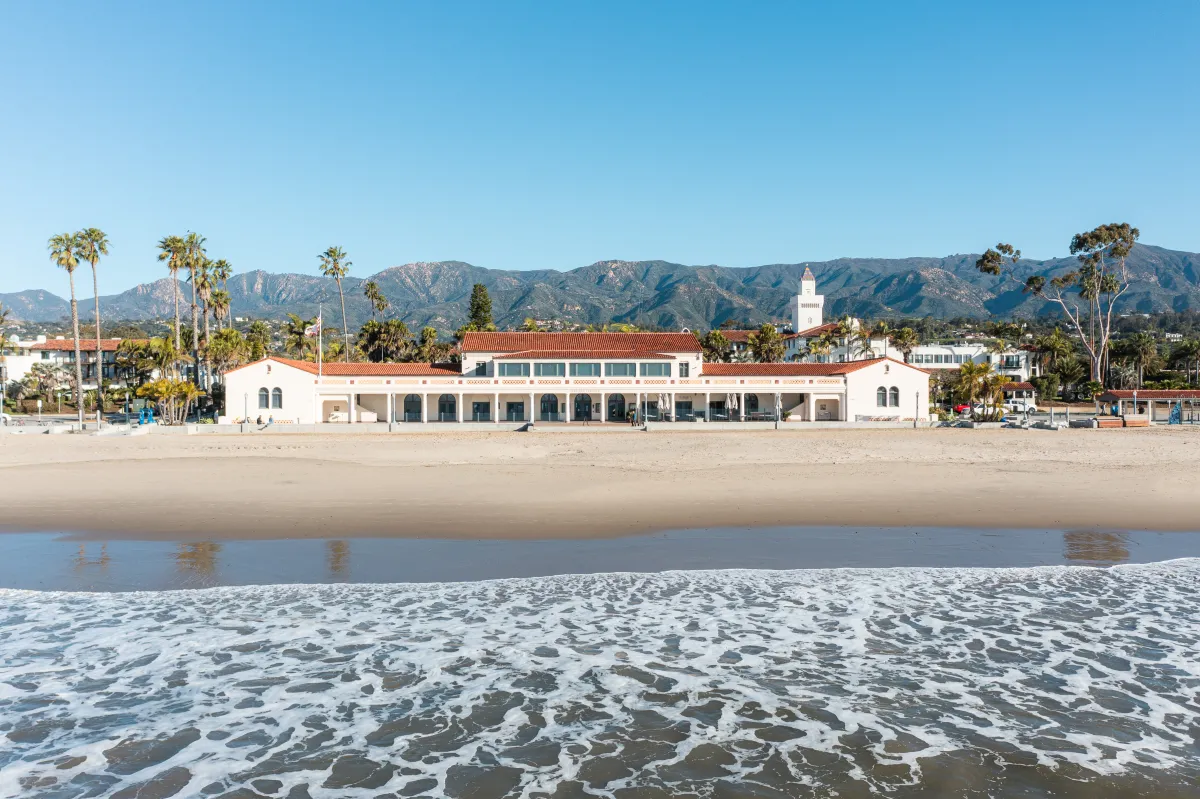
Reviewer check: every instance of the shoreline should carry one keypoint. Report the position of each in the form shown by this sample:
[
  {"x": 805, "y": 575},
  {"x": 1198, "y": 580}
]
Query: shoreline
[{"x": 522, "y": 486}]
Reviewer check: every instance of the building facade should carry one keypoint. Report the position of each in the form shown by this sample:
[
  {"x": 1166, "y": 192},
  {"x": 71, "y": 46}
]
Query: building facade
[{"x": 576, "y": 378}]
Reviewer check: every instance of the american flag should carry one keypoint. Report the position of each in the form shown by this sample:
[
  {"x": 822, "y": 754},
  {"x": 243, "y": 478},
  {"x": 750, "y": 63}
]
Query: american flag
[{"x": 313, "y": 330}]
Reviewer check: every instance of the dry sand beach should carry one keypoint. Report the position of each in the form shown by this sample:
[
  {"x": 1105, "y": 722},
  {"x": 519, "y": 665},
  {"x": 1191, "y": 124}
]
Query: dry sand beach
[{"x": 542, "y": 485}]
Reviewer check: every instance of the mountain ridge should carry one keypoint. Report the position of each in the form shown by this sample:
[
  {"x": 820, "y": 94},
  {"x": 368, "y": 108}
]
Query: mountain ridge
[{"x": 652, "y": 293}]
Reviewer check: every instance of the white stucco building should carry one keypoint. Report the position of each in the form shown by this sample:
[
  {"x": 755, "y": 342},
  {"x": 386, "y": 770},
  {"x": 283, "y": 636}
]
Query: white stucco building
[{"x": 575, "y": 378}]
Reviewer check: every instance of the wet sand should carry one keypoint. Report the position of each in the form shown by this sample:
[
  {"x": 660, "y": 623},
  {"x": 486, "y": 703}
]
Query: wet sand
[
  {"x": 580, "y": 485},
  {"x": 53, "y": 562}
]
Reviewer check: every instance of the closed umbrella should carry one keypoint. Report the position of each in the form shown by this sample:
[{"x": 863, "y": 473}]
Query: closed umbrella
[{"x": 779, "y": 406}]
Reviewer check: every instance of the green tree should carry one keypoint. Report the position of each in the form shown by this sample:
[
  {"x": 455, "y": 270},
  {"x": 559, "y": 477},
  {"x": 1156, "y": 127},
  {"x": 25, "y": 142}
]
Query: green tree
[
  {"x": 1186, "y": 355},
  {"x": 379, "y": 303},
  {"x": 334, "y": 264},
  {"x": 64, "y": 252},
  {"x": 4, "y": 314},
  {"x": 227, "y": 350},
  {"x": 384, "y": 342},
  {"x": 717, "y": 348},
  {"x": 220, "y": 306},
  {"x": 530, "y": 325},
  {"x": 479, "y": 312},
  {"x": 1099, "y": 282},
  {"x": 766, "y": 344}
]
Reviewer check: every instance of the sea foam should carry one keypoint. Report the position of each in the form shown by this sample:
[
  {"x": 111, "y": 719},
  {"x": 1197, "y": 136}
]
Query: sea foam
[{"x": 753, "y": 683}]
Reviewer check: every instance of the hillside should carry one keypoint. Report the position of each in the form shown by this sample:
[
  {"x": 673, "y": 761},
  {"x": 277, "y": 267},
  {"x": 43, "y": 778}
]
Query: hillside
[{"x": 650, "y": 293}]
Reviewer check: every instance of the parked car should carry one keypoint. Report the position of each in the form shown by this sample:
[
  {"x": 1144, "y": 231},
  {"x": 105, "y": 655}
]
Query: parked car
[
  {"x": 1020, "y": 406},
  {"x": 962, "y": 407}
]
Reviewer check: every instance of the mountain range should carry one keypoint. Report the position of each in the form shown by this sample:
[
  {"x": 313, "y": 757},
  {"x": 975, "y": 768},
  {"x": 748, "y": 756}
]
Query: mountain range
[{"x": 649, "y": 293}]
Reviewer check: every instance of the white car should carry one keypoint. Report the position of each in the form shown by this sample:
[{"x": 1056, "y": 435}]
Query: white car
[
  {"x": 1020, "y": 406},
  {"x": 5, "y": 420}
]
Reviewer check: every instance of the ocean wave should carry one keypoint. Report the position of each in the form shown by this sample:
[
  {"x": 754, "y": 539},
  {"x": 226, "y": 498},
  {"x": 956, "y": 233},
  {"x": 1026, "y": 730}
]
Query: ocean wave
[{"x": 884, "y": 680}]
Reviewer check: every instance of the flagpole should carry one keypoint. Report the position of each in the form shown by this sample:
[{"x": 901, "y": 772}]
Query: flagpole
[{"x": 320, "y": 338}]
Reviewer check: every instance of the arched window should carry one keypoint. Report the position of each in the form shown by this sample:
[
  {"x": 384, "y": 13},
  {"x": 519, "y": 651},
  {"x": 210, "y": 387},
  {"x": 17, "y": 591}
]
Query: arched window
[
  {"x": 881, "y": 397},
  {"x": 277, "y": 398},
  {"x": 412, "y": 408},
  {"x": 751, "y": 403},
  {"x": 264, "y": 398},
  {"x": 616, "y": 407},
  {"x": 549, "y": 407},
  {"x": 447, "y": 408},
  {"x": 894, "y": 397}
]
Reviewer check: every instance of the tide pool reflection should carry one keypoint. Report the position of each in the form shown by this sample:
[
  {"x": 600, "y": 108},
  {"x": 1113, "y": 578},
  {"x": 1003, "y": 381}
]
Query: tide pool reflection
[
  {"x": 1093, "y": 546},
  {"x": 339, "y": 557}
]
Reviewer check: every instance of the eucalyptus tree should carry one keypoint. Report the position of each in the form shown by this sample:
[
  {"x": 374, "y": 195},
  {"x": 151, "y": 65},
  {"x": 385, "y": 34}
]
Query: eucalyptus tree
[
  {"x": 335, "y": 265},
  {"x": 64, "y": 252},
  {"x": 1099, "y": 281},
  {"x": 171, "y": 250}
]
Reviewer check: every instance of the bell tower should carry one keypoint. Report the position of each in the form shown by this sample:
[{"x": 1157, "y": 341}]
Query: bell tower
[{"x": 808, "y": 307}]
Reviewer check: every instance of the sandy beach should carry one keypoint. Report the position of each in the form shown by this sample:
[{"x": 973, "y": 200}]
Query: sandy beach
[{"x": 545, "y": 485}]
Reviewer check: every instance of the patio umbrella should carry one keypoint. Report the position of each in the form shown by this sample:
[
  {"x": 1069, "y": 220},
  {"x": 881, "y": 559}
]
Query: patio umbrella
[
  {"x": 731, "y": 401},
  {"x": 778, "y": 406}
]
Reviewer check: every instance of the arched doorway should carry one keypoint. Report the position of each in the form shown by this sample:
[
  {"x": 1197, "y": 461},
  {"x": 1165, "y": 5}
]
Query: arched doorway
[
  {"x": 412, "y": 408},
  {"x": 616, "y": 408},
  {"x": 549, "y": 408},
  {"x": 447, "y": 408},
  {"x": 751, "y": 404},
  {"x": 583, "y": 408}
]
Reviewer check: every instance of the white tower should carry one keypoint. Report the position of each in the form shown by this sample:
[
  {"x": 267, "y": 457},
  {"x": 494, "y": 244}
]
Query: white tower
[{"x": 808, "y": 307}]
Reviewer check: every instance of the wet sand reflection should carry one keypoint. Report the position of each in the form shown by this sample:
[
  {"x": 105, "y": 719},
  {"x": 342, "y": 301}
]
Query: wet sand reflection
[
  {"x": 339, "y": 558},
  {"x": 1093, "y": 546},
  {"x": 82, "y": 560},
  {"x": 198, "y": 559}
]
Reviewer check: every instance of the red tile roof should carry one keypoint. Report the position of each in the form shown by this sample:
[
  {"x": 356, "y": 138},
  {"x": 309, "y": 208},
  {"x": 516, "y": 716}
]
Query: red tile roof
[
  {"x": 813, "y": 332},
  {"x": 341, "y": 369},
  {"x": 629, "y": 344},
  {"x": 737, "y": 336},
  {"x": 85, "y": 344},
  {"x": 577, "y": 354},
  {"x": 790, "y": 369},
  {"x": 1151, "y": 394},
  {"x": 1018, "y": 386}
]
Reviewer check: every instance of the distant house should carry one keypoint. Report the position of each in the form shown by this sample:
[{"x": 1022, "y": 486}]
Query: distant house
[{"x": 60, "y": 351}]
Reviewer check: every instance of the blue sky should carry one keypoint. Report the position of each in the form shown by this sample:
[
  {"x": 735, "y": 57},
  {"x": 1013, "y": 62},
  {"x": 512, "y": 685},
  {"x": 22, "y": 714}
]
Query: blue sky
[{"x": 528, "y": 135}]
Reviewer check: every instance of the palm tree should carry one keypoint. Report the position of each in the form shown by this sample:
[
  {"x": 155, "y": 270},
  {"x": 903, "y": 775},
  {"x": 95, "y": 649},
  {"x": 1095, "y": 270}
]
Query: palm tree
[
  {"x": 375, "y": 296},
  {"x": 1052, "y": 349},
  {"x": 843, "y": 329},
  {"x": 203, "y": 285},
  {"x": 64, "y": 252},
  {"x": 1142, "y": 351},
  {"x": 172, "y": 250},
  {"x": 220, "y": 306},
  {"x": 221, "y": 272},
  {"x": 335, "y": 265},
  {"x": 194, "y": 259},
  {"x": 92, "y": 244},
  {"x": 258, "y": 340},
  {"x": 906, "y": 340},
  {"x": 294, "y": 340},
  {"x": 882, "y": 330},
  {"x": 862, "y": 343},
  {"x": 1185, "y": 354}
]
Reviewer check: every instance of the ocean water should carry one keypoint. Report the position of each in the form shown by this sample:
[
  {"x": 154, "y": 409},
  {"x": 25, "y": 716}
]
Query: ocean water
[{"x": 1049, "y": 681}]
